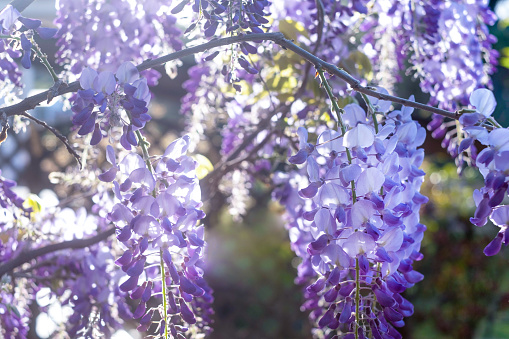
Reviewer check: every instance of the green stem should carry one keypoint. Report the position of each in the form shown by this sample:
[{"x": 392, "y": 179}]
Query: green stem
[
  {"x": 357, "y": 297},
  {"x": 143, "y": 144},
  {"x": 371, "y": 109},
  {"x": 39, "y": 54},
  {"x": 44, "y": 60},
  {"x": 340, "y": 122},
  {"x": 165, "y": 306}
]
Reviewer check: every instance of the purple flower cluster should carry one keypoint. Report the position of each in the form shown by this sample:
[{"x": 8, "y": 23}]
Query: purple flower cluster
[
  {"x": 157, "y": 218},
  {"x": 14, "y": 313},
  {"x": 493, "y": 163},
  {"x": 448, "y": 70},
  {"x": 238, "y": 16},
  {"x": 103, "y": 34},
  {"x": 16, "y": 42},
  {"x": 122, "y": 101},
  {"x": 355, "y": 223},
  {"x": 12, "y": 209}
]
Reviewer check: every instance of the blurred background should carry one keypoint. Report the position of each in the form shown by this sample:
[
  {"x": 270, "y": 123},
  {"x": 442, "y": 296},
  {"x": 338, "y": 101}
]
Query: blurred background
[{"x": 464, "y": 294}]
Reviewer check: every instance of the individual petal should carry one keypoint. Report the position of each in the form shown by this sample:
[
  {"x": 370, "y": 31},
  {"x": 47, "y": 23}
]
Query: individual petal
[
  {"x": 350, "y": 172},
  {"x": 96, "y": 135},
  {"x": 499, "y": 139},
  {"x": 127, "y": 73},
  {"x": 130, "y": 284},
  {"x": 310, "y": 191},
  {"x": 494, "y": 246},
  {"x": 335, "y": 254},
  {"x": 143, "y": 176},
  {"x": 484, "y": 101},
  {"x": 299, "y": 158},
  {"x": 500, "y": 216},
  {"x": 332, "y": 195},
  {"x": 47, "y": 33},
  {"x": 30, "y": 23},
  {"x": 303, "y": 137},
  {"x": 8, "y": 16},
  {"x": 392, "y": 239},
  {"x": 359, "y": 136},
  {"x": 105, "y": 82},
  {"x": 362, "y": 211},
  {"x": 89, "y": 125},
  {"x": 87, "y": 78},
  {"x": 353, "y": 115},
  {"x": 324, "y": 221},
  {"x": 313, "y": 170},
  {"x": 359, "y": 243},
  {"x": 177, "y": 148},
  {"x": 109, "y": 175},
  {"x": 329, "y": 141},
  {"x": 131, "y": 162},
  {"x": 142, "y": 92},
  {"x": 371, "y": 180}
]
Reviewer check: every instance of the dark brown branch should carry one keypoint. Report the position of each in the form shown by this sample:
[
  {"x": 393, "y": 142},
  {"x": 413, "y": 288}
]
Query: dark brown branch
[
  {"x": 25, "y": 257},
  {"x": 278, "y": 38},
  {"x": 57, "y": 134},
  {"x": 21, "y": 5}
]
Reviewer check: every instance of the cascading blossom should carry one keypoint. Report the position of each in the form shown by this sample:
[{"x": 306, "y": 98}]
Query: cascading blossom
[
  {"x": 122, "y": 99},
  {"x": 103, "y": 34},
  {"x": 156, "y": 217},
  {"x": 361, "y": 227}
]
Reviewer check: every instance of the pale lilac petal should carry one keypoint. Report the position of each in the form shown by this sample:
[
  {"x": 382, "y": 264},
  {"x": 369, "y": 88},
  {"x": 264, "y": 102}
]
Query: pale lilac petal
[
  {"x": 87, "y": 78},
  {"x": 362, "y": 211},
  {"x": 303, "y": 137},
  {"x": 499, "y": 139},
  {"x": 353, "y": 114},
  {"x": 142, "y": 92},
  {"x": 8, "y": 16},
  {"x": 371, "y": 180},
  {"x": 110, "y": 155},
  {"x": 478, "y": 133},
  {"x": 332, "y": 195},
  {"x": 131, "y": 162},
  {"x": 500, "y": 215},
  {"x": 313, "y": 170},
  {"x": 359, "y": 243},
  {"x": 177, "y": 148},
  {"x": 127, "y": 73},
  {"x": 329, "y": 141},
  {"x": 350, "y": 172},
  {"x": 144, "y": 176},
  {"x": 484, "y": 101},
  {"x": 391, "y": 240},
  {"x": 105, "y": 82},
  {"x": 334, "y": 254},
  {"x": 324, "y": 221},
  {"x": 359, "y": 136}
]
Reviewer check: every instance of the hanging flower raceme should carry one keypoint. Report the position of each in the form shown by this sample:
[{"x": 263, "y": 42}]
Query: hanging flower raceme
[
  {"x": 492, "y": 161},
  {"x": 360, "y": 222},
  {"x": 157, "y": 218},
  {"x": 108, "y": 101}
]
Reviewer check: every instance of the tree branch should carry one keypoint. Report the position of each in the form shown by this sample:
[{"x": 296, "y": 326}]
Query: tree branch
[
  {"x": 278, "y": 38},
  {"x": 25, "y": 257},
  {"x": 21, "y": 5},
  {"x": 57, "y": 134}
]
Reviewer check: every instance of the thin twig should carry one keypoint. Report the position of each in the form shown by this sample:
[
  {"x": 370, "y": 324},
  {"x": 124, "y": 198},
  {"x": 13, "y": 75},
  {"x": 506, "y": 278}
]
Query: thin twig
[
  {"x": 57, "y": 134},
  {"x": 25, "y": 257}
]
